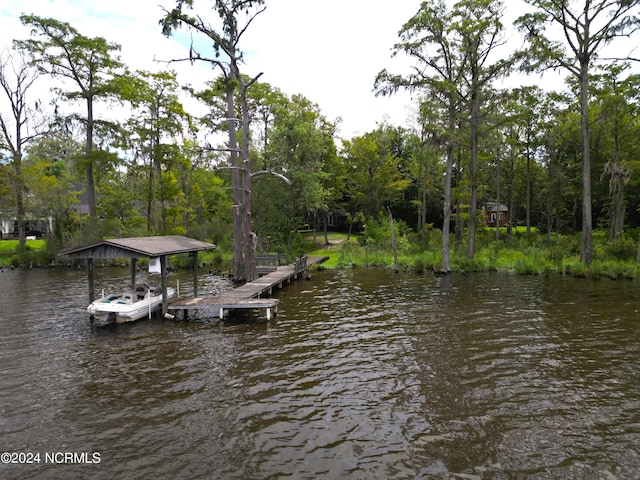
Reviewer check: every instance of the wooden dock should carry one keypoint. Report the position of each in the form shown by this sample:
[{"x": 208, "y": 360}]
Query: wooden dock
[{"x": 251, "y": 295}]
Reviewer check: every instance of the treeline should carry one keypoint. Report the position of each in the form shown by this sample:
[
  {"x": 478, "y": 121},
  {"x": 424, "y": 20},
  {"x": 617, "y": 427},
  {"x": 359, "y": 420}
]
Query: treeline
[{"x": 560, "y": 165}]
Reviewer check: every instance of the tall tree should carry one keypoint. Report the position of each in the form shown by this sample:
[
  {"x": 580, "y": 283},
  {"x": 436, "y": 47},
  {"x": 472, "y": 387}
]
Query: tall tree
[
  {"x": 161, "y": 119},
  {"x": 562, "y": 155},
  {"x": 49, "y": 177},
  {"x": 91, "y": 64},
  {"x": 586, "y": 27},
  {"x": 374, "y": 168},
  {"x": 227, "y": 57},
  {"x": 524, "y": 111},
  {"x": 18, "y": 127},
  {"x": 614, "y": 114},
  {"x": 300, "y": 144},
  {"x": 438, "y": 71},
  {"x": 478, "y": 25},
  {"x": 425, "y": 146},
  {"x": 453, "y": 49}
]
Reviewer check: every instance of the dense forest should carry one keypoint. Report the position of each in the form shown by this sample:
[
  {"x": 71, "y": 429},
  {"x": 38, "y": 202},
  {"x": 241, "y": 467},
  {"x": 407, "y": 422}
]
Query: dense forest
[{"x": 255, "y": 164}]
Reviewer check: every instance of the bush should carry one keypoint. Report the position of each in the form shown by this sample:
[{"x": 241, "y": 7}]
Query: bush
[
  {"x": 301, "y": 244},
  {"x": 574, "y": 267},
  {"x": 29, "y": 258},
  {"x": 623, "y": 248}
]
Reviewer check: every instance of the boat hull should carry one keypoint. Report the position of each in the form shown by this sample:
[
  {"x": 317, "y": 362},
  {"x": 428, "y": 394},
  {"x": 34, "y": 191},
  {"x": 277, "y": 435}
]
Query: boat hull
[{"x": 126, "y": 307}]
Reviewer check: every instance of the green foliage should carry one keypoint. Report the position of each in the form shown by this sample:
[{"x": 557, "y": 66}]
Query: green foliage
[
  {"x": 301, "y": 145},
  {"x": 301, "y": 244},
  {"x": 418, "y": 265},
  {"x": 497, "y": 256},
  {"x": 30, "y": 259},
  {"x": 166, "y": 185},
  {"x": 10, "y": 246},
  {"x": 623, "y": 248},
  {"x": 375, "y": 170},
  {"x": 35, "y": 254},
  {"x": 377, "y": 233}
]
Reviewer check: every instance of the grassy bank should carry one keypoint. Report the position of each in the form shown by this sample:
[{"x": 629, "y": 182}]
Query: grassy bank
[
  {"x": 34, "y": 255},
  {"x": 517, "y": 255}
]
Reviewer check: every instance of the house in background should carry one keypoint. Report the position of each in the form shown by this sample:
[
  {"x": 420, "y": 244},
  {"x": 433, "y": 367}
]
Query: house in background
[
  {"x": 34, "y": 227},
  {"x": 37, "y": 227},
  {"x": 496, "y": 214}
]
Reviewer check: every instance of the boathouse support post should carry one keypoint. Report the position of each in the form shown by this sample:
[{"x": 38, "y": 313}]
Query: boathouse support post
[
  {"x": 195, "y": 274},
  {"x": 90, "y": 269},
  {"x": 134, "y": 262},
  {"x": 163, "y": 273}
]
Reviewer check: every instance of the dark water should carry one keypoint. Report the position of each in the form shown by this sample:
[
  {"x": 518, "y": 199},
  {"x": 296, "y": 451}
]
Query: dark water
[{"x": 364, "y": 375}]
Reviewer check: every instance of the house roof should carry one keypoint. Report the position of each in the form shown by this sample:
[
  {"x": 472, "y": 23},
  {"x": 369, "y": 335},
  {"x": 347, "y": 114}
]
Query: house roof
[
  {"x": 494, "y": 207},
  {"x": 135, "y": 247}
]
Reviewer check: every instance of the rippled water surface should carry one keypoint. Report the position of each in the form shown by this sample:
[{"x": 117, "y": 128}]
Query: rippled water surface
[{"x": 363, "y": 375}]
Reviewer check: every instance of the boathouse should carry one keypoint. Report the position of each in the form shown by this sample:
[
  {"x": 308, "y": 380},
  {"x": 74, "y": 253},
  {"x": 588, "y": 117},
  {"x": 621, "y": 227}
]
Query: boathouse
[{"x": 159, "y": 247}]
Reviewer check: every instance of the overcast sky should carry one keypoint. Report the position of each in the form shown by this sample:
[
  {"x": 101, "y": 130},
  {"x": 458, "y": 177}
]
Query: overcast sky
[{"x": 328, "y": 50}]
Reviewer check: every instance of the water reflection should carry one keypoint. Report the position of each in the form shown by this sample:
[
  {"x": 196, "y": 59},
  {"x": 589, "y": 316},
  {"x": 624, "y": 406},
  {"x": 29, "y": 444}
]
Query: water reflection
[{"x": 364, "y": 374}]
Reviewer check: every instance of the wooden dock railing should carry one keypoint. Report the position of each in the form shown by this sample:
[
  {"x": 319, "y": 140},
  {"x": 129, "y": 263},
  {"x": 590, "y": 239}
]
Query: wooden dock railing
[
  {"x": 267, "y": 263},
  {"x": 300, "y": 265}
]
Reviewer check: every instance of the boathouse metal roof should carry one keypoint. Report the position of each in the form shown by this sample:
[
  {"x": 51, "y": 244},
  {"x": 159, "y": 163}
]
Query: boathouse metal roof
[{"x": 136, "y": 247}]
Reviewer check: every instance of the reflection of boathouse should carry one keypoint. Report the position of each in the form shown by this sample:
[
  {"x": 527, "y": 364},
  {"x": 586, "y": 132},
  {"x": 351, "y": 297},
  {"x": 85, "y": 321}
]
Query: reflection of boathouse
[{"x": 497, "y": 215}]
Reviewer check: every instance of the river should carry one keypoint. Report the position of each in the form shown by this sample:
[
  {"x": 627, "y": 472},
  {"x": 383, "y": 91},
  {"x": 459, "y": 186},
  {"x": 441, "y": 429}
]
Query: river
[{"x": 364, "y": 374}]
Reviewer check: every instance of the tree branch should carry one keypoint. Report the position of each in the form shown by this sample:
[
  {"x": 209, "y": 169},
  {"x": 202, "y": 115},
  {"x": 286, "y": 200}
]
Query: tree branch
[{"x": 271, "y": 172}]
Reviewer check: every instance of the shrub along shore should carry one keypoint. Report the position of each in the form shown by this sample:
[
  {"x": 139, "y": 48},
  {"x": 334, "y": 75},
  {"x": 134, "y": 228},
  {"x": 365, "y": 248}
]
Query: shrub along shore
[{"x": 534, "y": 254}]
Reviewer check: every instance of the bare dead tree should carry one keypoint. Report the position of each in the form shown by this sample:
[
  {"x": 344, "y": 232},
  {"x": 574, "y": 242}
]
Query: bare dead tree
[{"x": 21, "y": 122}]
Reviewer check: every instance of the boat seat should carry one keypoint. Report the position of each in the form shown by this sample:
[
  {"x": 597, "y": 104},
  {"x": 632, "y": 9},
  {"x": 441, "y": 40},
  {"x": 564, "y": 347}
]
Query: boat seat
[
  {"x": 126, "y": 298},
  {"x": 141, "y": 292}
]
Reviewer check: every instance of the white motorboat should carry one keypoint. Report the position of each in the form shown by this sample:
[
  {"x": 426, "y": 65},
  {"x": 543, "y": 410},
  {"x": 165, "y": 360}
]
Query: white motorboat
[{"x": 129, "y": 305}]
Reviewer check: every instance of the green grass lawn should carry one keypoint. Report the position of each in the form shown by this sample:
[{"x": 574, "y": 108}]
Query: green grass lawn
[
  {"x": 333, "y": 250},
  {"x": 10, "y": 246}
]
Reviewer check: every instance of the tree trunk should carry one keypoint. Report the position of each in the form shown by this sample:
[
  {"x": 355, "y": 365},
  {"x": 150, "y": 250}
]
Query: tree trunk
[
  {"x": 422, "y": 217},
  {"x": 20, "y": 210},
  {"x": 585, "y": 244},
  {"x": 498, "y": 194},
  {"x": 459, "y": 222},
  {"x": 325, "y": 216},
  {"x": 250, "y": 271},
  {"x": 446, "y": 224},
  {"x": 151, "y": 194},
  {"x": 91, "y": 189},
  {"x": 474, "y": 176},
  {"x": 158, "y": 210},
  {"x": 528, "y": 213},
  {"x": 238, "y": 264},
  {"x": 510, "y": 190},
  {"x": 393, "y": 240},
  {"x": 619, "y": 179}
]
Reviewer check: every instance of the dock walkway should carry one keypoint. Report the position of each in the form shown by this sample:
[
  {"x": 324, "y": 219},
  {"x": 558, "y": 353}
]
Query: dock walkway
[{"x": 249, "y": 296}]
